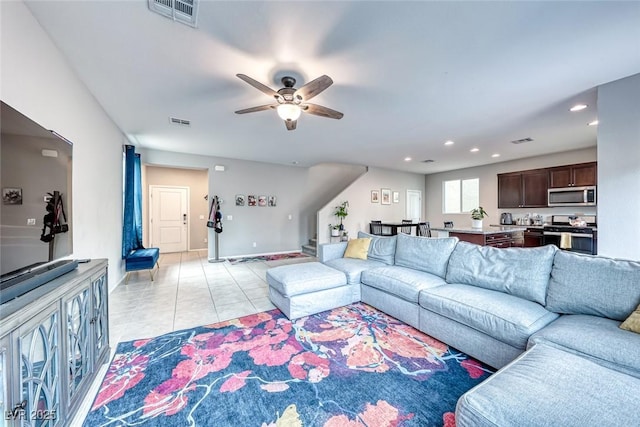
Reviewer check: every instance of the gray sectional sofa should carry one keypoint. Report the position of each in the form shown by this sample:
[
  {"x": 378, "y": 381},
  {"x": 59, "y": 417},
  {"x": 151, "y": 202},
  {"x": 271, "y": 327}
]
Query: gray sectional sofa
[{"x": 549, "y": 318}]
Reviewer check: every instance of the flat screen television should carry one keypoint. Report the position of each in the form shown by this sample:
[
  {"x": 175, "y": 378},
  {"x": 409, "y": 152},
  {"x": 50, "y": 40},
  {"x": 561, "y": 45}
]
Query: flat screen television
[{"x": 36, "y": 232}]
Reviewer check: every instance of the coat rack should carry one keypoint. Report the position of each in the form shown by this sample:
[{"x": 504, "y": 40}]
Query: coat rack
[{"x": 215, "y": 222}]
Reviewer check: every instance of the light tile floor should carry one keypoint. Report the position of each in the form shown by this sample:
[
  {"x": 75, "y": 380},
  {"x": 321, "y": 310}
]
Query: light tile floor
[{"x": 187, "y": 291}]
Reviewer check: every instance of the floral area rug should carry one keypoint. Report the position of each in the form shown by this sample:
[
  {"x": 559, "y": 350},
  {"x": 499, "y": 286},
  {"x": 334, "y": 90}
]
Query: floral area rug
[
  {"x": 351, "y": 366},
  {"x": 267, "y": 257}
]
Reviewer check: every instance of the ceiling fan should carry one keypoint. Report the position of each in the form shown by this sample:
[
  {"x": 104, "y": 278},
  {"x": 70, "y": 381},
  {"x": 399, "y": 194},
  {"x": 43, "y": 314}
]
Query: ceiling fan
[{"x": 291, "y": 102}]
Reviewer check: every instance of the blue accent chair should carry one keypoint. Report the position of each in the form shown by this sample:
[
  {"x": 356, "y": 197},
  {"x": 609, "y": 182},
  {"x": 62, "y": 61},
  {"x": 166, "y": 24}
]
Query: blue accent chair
[{"x": 141, "y": 259}]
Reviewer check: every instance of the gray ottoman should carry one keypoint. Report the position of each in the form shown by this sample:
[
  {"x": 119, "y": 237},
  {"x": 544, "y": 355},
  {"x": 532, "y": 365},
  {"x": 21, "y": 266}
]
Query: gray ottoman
[
  {"x": 302, "y": 289},
  {"x": 550, "y": 387}
]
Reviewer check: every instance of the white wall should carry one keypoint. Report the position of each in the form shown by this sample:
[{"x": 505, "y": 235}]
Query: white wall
[
  {"x": 37, "y": 81},
  {"x": 361, "y": 210},
  {"x": 299, "y": 191},
  {"x": 619, "y": 168}
]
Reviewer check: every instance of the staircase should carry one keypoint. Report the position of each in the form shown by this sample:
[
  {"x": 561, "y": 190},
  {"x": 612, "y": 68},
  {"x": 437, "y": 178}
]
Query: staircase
[{"x": 311, "y": 248}]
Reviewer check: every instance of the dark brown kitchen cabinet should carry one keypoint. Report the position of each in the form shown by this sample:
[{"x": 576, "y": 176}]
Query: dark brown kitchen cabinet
[
  {"x": 578, "y": 175},
  {"x": 533, "y": 238},
  {"x": 526, "y": 189}
]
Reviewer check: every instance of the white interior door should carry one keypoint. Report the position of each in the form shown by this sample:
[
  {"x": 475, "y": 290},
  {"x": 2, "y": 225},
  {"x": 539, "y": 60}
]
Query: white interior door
[
  {"x": 169, "y": 216},
  {"x": 414, "y": 205}
]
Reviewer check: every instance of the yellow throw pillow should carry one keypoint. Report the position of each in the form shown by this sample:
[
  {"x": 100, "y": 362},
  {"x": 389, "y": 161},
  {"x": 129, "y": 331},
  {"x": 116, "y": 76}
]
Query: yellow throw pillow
[
  {"x": 633, "y": 321},
  {"x": 358, "y": 248}
]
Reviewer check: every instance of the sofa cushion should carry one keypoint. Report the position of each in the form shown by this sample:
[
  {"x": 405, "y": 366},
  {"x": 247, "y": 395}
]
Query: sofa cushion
[
  {"x": 632, "y": 323},
  {"x": 505, "y": 317},
  {"x": 402, "y": 282},
  {"x": 596, "y": 338},
  {"x": 424, "y": 253},
  {"x": 357, "y": 248},
  {"x": 586, "y": 284},
  {"x": 381, "y": 249},
  {"x": 352, "y": 267},
  {"x": 296, "y": 279},
  {"x": 549, "y": 387},
  {"x": 517, "y": 271}
]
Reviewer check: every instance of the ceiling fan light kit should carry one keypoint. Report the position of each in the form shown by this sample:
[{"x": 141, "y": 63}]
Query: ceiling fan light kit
[{"x": 291, "y": 102}]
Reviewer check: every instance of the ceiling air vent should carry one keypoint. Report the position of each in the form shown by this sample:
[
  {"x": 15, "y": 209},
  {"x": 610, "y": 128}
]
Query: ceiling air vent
[
  {"x": 181, "y": 122},
  {"x": 428, "y": 161},
  {"x": 184, "y": 11},
  {"x": 522, "y": 141}
]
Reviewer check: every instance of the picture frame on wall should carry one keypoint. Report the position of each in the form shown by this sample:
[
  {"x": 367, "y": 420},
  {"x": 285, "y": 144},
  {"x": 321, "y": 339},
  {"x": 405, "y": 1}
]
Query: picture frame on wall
[
  {"x": 396, "y": 197},
  {"x": 272, "y": 201},
  {"x": 240, "y": 199},
  {"x": 12, "y": 196},
  {"x": 375, "y": 196},
  {"x": 251, "y": 200},
  {"x": 262, "y": 200},
  {"x": 385, "y": 196}
]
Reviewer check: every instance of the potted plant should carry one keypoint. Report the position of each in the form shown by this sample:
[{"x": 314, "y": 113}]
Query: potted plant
[
  {"x": 342, "y": 212},
  {"x": 335, "y": 230},
  {"x": 476, "y": 217}
]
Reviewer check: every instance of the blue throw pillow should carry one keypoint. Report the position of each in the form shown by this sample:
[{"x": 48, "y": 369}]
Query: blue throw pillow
[
  {"x": 425, "y": 253},
  {"x": 381, "y": 249}
]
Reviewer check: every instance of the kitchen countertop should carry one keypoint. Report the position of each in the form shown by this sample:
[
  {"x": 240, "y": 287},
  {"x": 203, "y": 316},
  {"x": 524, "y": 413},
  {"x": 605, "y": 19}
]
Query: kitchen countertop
[
  {"x": 519, "y": 226},
  {"x": 485, "y": 230}
]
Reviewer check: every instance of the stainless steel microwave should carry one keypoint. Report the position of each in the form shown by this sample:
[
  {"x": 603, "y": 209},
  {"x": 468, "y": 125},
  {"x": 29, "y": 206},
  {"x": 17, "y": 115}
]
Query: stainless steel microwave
[{"x": 572, "y": 196}]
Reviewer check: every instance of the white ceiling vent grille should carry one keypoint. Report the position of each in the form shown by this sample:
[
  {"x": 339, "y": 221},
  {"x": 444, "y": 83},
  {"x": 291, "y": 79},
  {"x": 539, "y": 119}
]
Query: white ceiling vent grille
[
  {"x": 185, "y": 11},
  {"x": 181, "y": 122},
  {"x": 522, "y": 141}
]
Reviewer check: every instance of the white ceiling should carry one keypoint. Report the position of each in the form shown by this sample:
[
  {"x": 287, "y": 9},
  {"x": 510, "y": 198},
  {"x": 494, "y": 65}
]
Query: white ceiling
[{"x": 407, "y": 75}]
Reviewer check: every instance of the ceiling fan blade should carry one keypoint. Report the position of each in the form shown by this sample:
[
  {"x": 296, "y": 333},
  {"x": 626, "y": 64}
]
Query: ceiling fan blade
[
  {"x": 291, "y": 124},
  {"x": 313, "y": 88},
  {"x": 265, "y": 89},
  {"x": 319, "y": 110},
  {"x": 254, "y": 109}
]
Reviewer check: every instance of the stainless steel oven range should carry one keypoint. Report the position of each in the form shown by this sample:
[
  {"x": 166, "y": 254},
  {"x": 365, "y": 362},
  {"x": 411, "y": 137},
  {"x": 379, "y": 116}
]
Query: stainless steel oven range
[{"x": 572, "y": 233}]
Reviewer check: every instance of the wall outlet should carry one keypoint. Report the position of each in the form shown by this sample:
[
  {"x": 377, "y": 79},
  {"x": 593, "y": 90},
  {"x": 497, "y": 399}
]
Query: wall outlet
[
  {"x": 201, "y": 216},
  {"x": 290, "y": 217},
  {"x": 205, "y": 240},
  {"x": 255, "y": 244},
  {"x": 229, "y": 217},
  {"x": 31, "y": 221}
]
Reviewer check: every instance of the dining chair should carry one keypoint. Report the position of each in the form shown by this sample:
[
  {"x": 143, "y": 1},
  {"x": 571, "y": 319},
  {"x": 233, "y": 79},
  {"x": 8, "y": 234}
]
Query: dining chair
[
  {"x": 375, "y": 228},
  {"x": 424, "y": 229},
  {"x": 406, "y": 230}
]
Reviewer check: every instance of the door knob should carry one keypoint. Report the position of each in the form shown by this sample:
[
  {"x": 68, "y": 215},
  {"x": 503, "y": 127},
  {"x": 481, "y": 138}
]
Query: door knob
[{"x": 184, "y": 218}]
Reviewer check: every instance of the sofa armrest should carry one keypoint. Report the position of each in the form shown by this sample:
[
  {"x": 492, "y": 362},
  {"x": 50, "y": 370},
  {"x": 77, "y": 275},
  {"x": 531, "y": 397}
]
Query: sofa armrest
[{"x": 329, "y": 251}]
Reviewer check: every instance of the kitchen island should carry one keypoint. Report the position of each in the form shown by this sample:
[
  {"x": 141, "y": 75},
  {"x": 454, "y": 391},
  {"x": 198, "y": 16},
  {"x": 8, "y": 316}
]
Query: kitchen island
[{"x": 499, "y": 237}]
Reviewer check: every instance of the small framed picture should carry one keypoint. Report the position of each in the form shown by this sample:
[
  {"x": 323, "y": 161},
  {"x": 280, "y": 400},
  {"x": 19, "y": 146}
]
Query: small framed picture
[
  {"x": 12, "y": 196},
  {"x": 385, "y": 194},
  {"x": 396, "y": 197},
  {"x": 251, "y": 200},
  {"x": 272, "y": 201},
  {"x": 375, "y": 196},
  {"x": 239, "y": 199},
  {"x": 262, "y": 200}
]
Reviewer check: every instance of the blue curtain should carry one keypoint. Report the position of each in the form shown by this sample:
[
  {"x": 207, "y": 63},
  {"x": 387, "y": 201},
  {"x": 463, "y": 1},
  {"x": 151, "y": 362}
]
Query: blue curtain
[{"x": 132, "y": 220}]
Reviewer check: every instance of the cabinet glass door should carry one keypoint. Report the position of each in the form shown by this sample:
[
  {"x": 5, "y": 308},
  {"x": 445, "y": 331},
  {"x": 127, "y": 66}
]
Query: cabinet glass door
[
  {"x": 78, "y": 340},
  {"x": 100, "y": 315},
  {"x": 39, "y": 370}
]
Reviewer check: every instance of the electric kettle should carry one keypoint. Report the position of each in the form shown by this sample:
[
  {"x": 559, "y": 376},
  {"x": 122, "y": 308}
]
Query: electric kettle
[{"x": 506, "y": 218}]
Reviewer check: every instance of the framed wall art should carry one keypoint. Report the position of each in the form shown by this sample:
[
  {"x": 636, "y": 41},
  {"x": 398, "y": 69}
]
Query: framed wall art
[
  {"x": 272, "y": 201},
  {"x": 239, "y": 199},
  {"x": 262, "y": 200},
  {"x": 375, "y": 196},
  {"x": 385, "y": 194},
  {"x": 12, "y": 196},
  {"x": 396, "y": 197},
  {"x": 251, "y": 200}
]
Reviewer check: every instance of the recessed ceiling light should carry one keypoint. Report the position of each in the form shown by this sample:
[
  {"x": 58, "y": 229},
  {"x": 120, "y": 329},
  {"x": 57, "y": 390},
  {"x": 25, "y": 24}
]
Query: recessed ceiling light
[
  {"x": 295, "y": 162},
  {"x": 407, "y": 159},
  {"x": 578, "y": 107},
  {"x": 495, "y": 155},
  {"x": 474, "y": 150},
  {"x": 449, "y": 142},
  {"x": 593, "y": 123}
]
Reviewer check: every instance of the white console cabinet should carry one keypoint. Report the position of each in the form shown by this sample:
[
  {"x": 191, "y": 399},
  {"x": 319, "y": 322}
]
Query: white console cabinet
[{"x": 52, "y": 343}]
